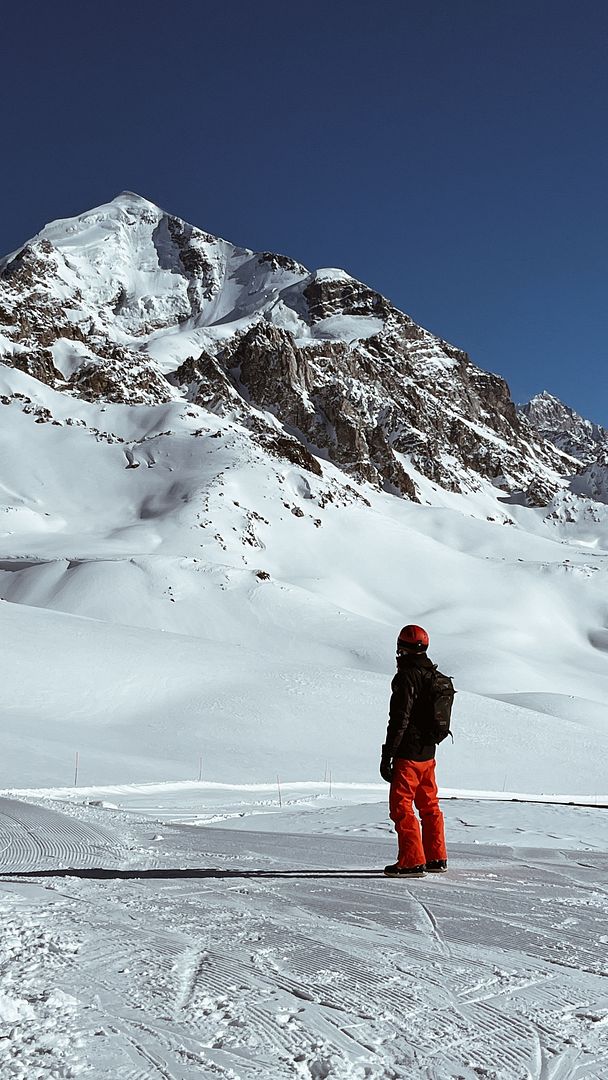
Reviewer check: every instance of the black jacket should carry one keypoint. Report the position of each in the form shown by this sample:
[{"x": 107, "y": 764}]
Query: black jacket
[{"x": 410, "y": 710}]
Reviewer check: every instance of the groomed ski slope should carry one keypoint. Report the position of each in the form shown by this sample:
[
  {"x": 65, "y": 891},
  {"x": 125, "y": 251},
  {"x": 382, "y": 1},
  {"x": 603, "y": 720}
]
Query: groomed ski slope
[{"x": 282, "y": 952}]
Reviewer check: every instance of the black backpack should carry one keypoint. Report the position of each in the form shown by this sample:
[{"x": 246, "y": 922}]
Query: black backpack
[{"x": 441, "y": 696}]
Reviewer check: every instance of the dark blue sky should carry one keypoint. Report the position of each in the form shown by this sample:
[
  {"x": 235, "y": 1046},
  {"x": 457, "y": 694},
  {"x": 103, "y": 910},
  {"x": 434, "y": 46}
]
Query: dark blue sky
[{"x": 451, "y": 153}]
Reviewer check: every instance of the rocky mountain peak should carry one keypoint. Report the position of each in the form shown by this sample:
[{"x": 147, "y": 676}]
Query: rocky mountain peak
[
  {"x": 129, "y": 303},
  {"x": 565, "y": 428}
]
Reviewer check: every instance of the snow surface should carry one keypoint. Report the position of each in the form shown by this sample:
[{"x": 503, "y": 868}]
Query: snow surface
[{"x": 208, "y": 951}]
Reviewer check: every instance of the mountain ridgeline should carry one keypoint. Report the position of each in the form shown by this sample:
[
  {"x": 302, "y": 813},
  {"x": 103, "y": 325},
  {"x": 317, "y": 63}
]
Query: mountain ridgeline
[{"x": 129, "y": 304}]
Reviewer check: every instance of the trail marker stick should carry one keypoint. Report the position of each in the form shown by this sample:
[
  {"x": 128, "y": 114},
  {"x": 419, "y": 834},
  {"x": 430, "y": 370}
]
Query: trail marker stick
[
  {"x": 279, "y": 790},
  {"x": 76, "y": 769}
]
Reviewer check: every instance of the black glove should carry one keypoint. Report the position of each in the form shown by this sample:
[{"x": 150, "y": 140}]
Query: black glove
[{"x": 386, "y": 767}]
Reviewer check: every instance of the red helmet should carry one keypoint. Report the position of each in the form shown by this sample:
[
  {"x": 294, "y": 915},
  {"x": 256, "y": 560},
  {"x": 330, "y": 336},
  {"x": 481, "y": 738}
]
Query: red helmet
[{"x": 412, "y": 639}]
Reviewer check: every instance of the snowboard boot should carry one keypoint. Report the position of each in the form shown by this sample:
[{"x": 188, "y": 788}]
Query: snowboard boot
[
  {"x": 394, "y": 870},
  {"x": 437, "y": 866}
]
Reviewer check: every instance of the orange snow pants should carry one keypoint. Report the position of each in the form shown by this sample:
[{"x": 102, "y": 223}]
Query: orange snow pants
[{"x": 414, "y": 784}]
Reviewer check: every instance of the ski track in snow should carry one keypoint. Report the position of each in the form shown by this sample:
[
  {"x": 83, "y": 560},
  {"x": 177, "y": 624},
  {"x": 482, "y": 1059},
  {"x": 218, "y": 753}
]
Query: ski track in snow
[{"x": 497, "y": 970}]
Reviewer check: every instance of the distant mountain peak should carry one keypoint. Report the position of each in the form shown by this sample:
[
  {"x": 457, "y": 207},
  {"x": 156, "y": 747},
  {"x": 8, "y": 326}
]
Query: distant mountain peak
[
  {"x": 565, "y": 428},
  {"x": 545, "y": 395}
]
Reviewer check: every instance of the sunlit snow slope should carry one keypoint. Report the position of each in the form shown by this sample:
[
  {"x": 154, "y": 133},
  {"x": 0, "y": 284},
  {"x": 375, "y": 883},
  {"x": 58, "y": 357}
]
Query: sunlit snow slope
[{"x": 218, "y": 601}]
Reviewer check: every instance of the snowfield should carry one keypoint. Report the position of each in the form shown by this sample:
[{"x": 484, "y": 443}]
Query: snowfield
[
  {"x": 218, "y": 601},
  {"x": 214, "y": 952}
]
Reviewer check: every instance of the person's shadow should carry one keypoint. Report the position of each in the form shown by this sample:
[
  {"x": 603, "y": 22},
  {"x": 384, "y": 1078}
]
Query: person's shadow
[{"x": 101, "y": 874}]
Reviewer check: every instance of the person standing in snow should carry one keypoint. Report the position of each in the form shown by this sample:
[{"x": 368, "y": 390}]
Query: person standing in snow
[{"x": 408, "y": 759}]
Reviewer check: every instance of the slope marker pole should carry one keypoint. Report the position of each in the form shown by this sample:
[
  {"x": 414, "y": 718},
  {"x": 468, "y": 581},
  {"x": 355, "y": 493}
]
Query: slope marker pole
[
  {"x": 76, "y": 762},
  {"x": 279, "y": 791},
  {"x": 200, "y": 767},
  {"x": 330, "y": 783}
]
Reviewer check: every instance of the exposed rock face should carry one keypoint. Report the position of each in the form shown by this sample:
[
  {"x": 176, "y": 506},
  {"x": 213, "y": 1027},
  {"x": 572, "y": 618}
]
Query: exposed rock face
[
  {"x": 340, "y": 294},
  {"x": 39, "y": 364},
  {"x": 292, "y": 450},
  {"x": 282, "y": 262},
  {"x": 565, "y": 428},
  {"x": 372, "y": 403},
  {"x": 196, "y": 266},
  {"x": 203, "y": 382},
  {"x": 29, "y": 314},
  {"x": 106, "y": 381},
  {"x": 108, "y": 304}
]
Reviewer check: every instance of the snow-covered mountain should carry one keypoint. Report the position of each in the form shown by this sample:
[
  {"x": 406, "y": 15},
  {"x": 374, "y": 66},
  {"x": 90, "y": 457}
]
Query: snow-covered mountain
[
  {"x": 578, "y": 438},
  {"x": 127, "y": 303},
  {"x": 201, "y": 551},
  {"x": 565, "y": 428}
]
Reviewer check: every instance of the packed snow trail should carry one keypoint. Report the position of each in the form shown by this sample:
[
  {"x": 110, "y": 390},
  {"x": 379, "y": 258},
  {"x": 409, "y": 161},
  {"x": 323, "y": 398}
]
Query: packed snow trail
[
  {"x": 301, "y": 961},
  {"x": 33, "y": 839}
]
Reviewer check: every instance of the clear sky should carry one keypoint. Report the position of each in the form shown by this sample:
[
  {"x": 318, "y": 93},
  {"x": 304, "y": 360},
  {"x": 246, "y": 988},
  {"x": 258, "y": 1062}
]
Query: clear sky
[{"x": 453, "y": 154}]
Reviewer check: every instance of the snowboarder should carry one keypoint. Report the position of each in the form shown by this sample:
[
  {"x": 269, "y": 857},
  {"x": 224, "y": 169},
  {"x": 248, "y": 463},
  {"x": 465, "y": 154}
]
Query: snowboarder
[{"x": 408, "y": 757}]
